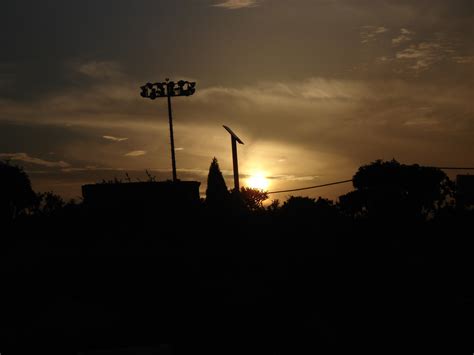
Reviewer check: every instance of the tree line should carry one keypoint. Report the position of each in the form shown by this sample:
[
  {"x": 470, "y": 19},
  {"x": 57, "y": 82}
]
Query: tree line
[{"x": 383, "y": 190}]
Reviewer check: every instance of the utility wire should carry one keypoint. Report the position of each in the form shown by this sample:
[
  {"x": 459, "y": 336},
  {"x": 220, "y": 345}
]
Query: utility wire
[
  {"x": 346, "y": 181},
  {"x": 311, "y": 187},
  {"x": 451, "y": 168}
]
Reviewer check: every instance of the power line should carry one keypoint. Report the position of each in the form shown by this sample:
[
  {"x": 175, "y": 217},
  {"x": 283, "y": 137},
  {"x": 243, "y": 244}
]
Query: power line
[
  {"x": 452, "y": 168},
  {"x": 346, "y": 181},
  {"x": 311, "y": 187}
]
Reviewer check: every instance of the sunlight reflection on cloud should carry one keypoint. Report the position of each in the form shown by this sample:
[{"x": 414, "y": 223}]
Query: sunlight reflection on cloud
[{"x": 236, "y": 4}]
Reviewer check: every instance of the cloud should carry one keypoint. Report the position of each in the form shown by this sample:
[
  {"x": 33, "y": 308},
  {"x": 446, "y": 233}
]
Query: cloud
[
  {"x": 237, "y": 4},
  {"x": 425, "y": 54},
  {"x": 384, "y": 59},
  {"x": 135, "y": 153},
  {"x": 464, "y": 59},
  {"x": 32, "y": 160},
  {"x": 293, "y": 177},
  {"x": 404, "y": 36},
  {"x": 294, "y": 130},
  {"x": 319, "y": 126},
  {"x": 440, "y": 51},
  {"x": 195, "y": 172},
  {"x": 90, "y": 168},
  {"x": 370, "y": 33},
  {"x": 99, "y": 70},
  {"x": 422, "y": 122},
  {"x": 115, "y": 139}
]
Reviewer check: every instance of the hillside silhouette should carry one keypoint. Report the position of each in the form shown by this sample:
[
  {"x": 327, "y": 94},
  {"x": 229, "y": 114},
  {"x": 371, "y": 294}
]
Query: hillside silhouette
[{"x": 389, "y": 264}]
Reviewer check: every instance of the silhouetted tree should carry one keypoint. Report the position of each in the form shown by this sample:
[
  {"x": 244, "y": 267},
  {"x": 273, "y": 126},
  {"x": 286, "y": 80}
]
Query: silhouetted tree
[
  {"x": 217, "y": 194},
  {"x": 310, "y": 223},
  {"x": 304, "y": 207},
  {"x": 274, "y": 206},
  {"x": 253, "y": 198},
  {"x": 392, "y": 190},
  {"x": 16, "y": 194},
  {"x": 297, "y": 205},
  {"x": 49, "y": 203}
]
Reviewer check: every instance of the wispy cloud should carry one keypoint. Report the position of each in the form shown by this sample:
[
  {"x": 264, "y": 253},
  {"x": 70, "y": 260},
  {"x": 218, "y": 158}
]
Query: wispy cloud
[
  {"x": 99, "y": 70},
  {"x": 237, "y": 4},
  {"x": 333, "y": 124},
  {"x": 422, "y": 122},
  {"x": 464, "y": 59},
  {"x": 135, "y": 153},
  {"x": 195, "y": 171},
  {"x": 411, "y": 55},
  {"x": 32, "y": 160},
  {"x": 425, "y": 54},
  {"x": 404, "y": 36},
  {"x": 370, "y": 33},
  {"x": 114, "y": 139},
  {"x": 293, "y": 177},
  {"x": 90, "y": 168},
  {"x": 326, "y": 115}
]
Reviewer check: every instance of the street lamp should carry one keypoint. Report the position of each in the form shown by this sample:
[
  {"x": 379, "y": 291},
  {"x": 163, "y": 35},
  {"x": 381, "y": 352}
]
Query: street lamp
[
  {"x": 234, "y": 140},
  {"x": 169, "y": 89}
]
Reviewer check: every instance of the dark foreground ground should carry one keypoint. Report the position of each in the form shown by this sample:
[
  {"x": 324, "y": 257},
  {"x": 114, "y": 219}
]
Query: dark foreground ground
[{"x": 86, "y": 282}]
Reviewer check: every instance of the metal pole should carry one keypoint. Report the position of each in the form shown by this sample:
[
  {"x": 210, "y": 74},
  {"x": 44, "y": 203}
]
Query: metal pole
[
  {"x": 168, "y": 89},
  {"x": 236, "y": 164},
  {"x": 170, "y": 116}
]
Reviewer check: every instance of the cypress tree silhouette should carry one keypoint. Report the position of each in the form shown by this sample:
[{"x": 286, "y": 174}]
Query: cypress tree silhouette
[{"x": 217, "y": 194}]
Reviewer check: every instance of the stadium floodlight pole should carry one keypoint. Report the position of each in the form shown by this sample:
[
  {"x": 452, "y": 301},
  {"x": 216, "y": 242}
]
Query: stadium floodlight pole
[
  {"x": 168, "y": 89},
  {"x": 234, "y": 139}
]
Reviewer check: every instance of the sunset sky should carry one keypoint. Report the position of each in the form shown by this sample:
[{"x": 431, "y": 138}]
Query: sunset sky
[{"x": 315, "y": 88}]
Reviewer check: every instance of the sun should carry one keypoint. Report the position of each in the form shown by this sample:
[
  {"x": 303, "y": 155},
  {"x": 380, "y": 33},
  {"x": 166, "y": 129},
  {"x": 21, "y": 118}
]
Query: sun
[{"x": 258, "y": 181}]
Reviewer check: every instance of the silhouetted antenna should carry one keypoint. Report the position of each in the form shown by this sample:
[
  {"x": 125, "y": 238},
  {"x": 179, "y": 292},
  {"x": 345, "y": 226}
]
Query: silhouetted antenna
[
  {"x": 168, "y": 89},
  {"x": 234, "y": 139}
]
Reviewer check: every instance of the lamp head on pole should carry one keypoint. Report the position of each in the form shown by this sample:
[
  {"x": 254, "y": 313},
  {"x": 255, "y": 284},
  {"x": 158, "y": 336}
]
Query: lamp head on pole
[
  {"x": 234, "y": 136},
  {"x": 167, "y": 88},
  {"x": 235, "y": 162}
]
